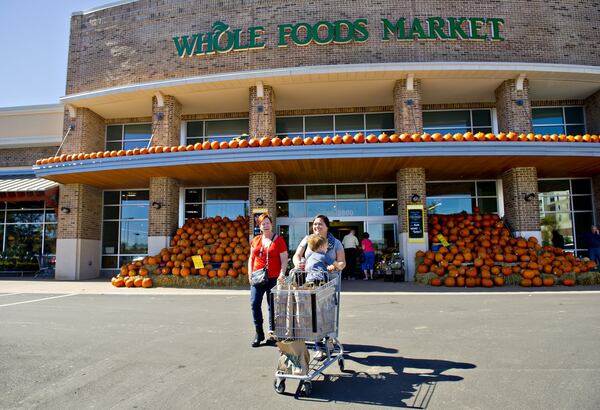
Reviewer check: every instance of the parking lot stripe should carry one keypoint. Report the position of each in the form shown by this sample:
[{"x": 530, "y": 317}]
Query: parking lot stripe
[
  {"x": 10, "y": 294},
  {"x": 38, "y": 300}
]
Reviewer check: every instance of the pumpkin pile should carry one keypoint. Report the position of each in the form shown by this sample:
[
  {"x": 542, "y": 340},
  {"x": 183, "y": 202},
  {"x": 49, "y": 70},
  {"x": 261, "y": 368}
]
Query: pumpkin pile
[
  {"x": 358, "y": 138},
  {"x": 482, "y": 252},
  {"x": 221, "y": 243}
]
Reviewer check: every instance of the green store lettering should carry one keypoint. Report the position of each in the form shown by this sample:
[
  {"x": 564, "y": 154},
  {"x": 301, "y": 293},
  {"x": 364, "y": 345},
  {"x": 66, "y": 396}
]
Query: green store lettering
[
  {"x": 438, "y": 28},
  {"x": 222, "y": 39}
]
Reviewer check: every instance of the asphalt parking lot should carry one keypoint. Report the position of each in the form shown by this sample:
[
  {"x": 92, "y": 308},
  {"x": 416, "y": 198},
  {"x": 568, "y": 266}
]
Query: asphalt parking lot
[{"x": 527, "y": 350}]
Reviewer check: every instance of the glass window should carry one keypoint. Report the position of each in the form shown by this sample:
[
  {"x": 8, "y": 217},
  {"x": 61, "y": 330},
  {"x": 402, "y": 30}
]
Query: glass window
[
  {"x": 229, "y": 202},
  {"x": 229, "y": 128},
  {"x": 383, "y": 237},
  {"x": 566, "y": 205},
  {"x": 351, "y": 191},
  {"x": 194, "y": 131},
  {"x": 349, "y": 123},
  {"x": 457, "y": 121},
  {"x": 382, "y": 191},
  {"x": 437, "y": 205},
  {"x": 486, "y": 188},
  {"x": 558, "y": 120},
  {"x": 380, "y": 122},
  {"x": 128, "y": 136},
  {"x": 50, "y": 239},
  {"x": 381, "y": 207},
  {"x": 350, "y": 208},
  {"x": 226, "y": 194},
  {"x": 316, "y": 208},
  {"x": 124, "y": 227},
  {"x": 286, "y": 193},
  {"x": 289, "y": 125},
  {"x": 319, "y": 123},
  {"x": 27, "y": 229},
  {"x": 454, "y": 188},
  {"x": 320, "y": 192}
]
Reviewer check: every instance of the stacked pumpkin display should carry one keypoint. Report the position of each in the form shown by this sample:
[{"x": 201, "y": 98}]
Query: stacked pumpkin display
[
  {"x": 482, "y": 252},
  {"x": 221, "y": 243}
]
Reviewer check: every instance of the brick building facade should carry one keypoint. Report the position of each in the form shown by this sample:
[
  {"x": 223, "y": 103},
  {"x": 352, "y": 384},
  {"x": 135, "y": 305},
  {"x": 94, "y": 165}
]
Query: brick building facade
[{"x": 519, "y": 75}]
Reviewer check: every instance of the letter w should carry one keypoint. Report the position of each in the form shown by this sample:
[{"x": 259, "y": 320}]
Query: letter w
[{"x": 184, "y": 45}]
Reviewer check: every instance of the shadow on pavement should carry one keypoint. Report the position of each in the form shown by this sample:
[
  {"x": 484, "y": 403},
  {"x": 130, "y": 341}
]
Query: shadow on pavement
[{"x": 392, "y": 381}]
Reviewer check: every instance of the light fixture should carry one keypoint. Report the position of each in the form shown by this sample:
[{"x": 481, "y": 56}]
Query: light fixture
[
  {"x": 160, "y": 116},
  {"x": 415, "y": 198},
  {"x": 259, "y": 201},
  {"x": 520, "y": 102},
  {"x": 156, "y": 205},
  {"x": 529, "y": 197},
  {"x": 409, "y": 102},
  {"x": 65, "y": 210}
]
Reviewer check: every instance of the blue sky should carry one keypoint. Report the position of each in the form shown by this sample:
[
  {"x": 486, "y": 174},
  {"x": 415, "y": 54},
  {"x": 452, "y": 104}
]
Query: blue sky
[{"x": 33, "y": 48}]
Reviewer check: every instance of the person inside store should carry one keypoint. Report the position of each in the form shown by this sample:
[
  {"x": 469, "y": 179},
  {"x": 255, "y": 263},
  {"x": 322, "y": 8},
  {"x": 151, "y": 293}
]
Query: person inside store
[
  {"x": 369, "y": 256},
  {"x": 266, "y": 250},
  {"x": 592, "y": 240},
  {"x": 335, "y": 258},
  {"x": 350, "y": 243},
  {"x": 558, "y": 241}
]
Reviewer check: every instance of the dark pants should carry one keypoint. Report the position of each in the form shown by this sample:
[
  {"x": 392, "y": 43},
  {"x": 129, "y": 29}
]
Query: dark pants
[
  {"x": 595, "y": 255},
  {"x": 350, "y": 254},
  {"x": 256, "y": 298}
]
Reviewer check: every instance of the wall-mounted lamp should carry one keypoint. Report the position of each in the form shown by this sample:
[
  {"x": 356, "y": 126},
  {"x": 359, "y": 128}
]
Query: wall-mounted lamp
[
  {"x": 409, "y": 102},
  {"x": 259, "y": 201},
  {"x": 156, "y": 205},
  {"x": 160, "y": 116},
  {"x": 71, "y": 126},
  {"x": 415, "y": 198},
  {"x": 529, "y": 197},
  {"x": 65, "y": 210},
  {"x": 519, "y": 102}
]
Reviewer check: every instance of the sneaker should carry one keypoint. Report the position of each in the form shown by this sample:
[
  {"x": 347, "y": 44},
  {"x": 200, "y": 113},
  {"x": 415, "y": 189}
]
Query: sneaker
[{"x": 365, "y": 278}]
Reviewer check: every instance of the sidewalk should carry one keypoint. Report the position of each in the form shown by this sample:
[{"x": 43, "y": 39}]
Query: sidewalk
[{"x": 358, "y": 287}]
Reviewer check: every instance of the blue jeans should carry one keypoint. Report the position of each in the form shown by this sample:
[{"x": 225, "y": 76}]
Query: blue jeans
[{"x": 256, "y": 297}]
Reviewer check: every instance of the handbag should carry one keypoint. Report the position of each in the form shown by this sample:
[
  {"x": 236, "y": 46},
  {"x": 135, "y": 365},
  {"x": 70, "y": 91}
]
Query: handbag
[{"x": 260, "y": 276}]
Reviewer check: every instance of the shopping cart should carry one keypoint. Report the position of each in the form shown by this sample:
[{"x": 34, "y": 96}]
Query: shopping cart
[
  {"x": 46, "y": 266},
  {"x": 311, "y": 314}
]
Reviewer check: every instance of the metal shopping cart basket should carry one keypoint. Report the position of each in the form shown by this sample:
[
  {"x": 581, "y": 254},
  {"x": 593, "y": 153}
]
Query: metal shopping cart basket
[{"x": 309, "y": 312}]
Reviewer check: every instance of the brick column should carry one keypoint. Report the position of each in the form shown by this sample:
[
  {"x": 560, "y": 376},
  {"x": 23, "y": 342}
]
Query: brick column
[
  {"x": 166, "y": 121},
  {"x": 262, "y": 188},
  {"x": 78, "y": 237},
  {"x": 522, "y": 216},
  {"x": 163, "y": 221},
  {"x": 261, "y": 121},
  {"x": 408, "y": 112},
  {"x": 410, "y": 181},
  {"x": 592, "y": 113},
  {"x": 513, "y": 107},
  {"x": 88, "y": 134},
  {"x": 596, "y": 193}
]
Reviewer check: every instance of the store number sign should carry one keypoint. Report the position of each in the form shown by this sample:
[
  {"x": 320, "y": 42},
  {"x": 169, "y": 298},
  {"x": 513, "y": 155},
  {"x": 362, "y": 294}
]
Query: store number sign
[{"x": 222, "y": 38}]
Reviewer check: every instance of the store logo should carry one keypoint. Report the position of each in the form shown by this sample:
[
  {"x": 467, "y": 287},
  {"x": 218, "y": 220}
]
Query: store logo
[{"x": 222, "y": 38}]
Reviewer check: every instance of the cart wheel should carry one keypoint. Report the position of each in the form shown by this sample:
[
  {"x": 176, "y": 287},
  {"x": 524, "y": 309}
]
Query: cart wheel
[
  {"x": 341, "y": 364},
  {"x": 307, "y": 388},
  {"x": 279, "y": 388}
]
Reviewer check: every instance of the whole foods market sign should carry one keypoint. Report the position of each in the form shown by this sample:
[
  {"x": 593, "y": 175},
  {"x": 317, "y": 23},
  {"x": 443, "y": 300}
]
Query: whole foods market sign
[{"x": 222, "y": 38}]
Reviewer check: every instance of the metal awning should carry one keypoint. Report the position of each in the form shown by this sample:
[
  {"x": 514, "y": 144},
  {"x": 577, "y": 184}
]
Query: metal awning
[
  {"x": 26, "y": 185},
  {"x": 29, "y": 189}
]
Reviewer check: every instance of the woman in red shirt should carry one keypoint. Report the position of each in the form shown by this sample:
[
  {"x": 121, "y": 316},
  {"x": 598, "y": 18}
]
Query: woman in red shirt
[{"x": 272, "y": 245}]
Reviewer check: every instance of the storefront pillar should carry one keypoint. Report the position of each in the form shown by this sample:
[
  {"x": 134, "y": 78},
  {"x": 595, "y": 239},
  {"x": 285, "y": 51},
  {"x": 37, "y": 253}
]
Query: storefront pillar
[
  {"x": 166, "y": 120},
  {"x": 262, "y": 191},
  {"x": 513, "y": 107},
  {"x": 408, "y": 112},
  {"x": 78, "y": 242},
  {"x": 86, "y": 131},
  {"x": 592, "y": 113},
  {"x": 261, "y": 119},
  {"x": 521, "y": 205},
  {"x": 163, "y": 213},
  {"x": 596, "y": 193},
  {"x": 411, "y": 191}
]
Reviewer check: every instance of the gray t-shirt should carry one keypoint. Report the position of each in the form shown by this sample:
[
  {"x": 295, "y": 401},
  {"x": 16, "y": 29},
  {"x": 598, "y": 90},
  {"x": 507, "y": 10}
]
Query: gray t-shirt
[
  {"x": 333, "y": 247},
  {"x": 316, "y": 261}
]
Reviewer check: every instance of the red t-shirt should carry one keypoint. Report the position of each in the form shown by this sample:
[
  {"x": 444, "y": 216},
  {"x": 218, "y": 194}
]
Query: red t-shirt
[{"x": 277, "y": 247}]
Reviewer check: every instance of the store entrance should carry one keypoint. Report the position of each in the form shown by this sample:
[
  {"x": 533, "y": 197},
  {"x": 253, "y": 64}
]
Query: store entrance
[{"x": 340, "y": 229}]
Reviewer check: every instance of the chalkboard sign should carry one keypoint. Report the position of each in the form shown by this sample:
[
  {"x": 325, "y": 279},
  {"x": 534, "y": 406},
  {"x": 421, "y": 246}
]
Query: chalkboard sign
[{"x": 414, "y": 221}]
